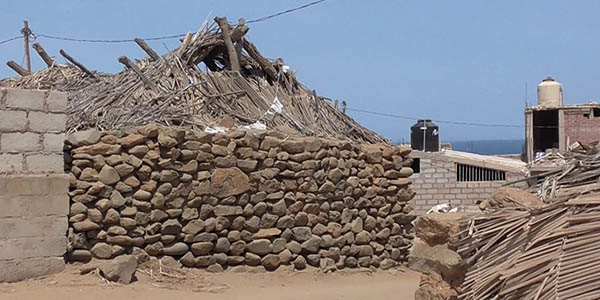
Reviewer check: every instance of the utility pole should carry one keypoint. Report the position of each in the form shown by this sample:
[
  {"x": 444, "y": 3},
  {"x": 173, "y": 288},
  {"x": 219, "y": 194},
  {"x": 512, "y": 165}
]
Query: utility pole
[{"x": 26, "y": 32}]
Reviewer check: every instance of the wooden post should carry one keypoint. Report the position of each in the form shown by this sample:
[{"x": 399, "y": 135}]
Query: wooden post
[
  {"x": 26, "y": 32},
  {"x": 45, "y": 57},
  {"x": 316, "y": 103},
  {"x": 124, "y": 60},
  {"x": 262, "y": 62},
  {"x": 78, "y": 64},
  {"x": 336, "y": 104},
  {"x": 15, "y": 66},
  {"x": 153, "y": 55},
  {"x": 233, "y": 58},
  {"x": 344, "y": 106}
]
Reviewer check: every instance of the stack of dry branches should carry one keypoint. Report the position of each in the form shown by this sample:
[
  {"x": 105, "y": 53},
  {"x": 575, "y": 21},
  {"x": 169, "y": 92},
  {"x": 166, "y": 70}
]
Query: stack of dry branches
[{"x": 172, "y": 90}]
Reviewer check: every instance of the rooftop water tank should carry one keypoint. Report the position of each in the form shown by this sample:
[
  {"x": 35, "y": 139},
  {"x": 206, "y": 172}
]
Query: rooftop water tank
[
  {"x": 550, "y": 93},
  {"x": 424, "y": 136}
]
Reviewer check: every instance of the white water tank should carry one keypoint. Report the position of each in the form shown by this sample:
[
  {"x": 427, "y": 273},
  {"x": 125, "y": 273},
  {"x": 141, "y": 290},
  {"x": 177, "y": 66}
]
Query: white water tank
[{"x": 550, "y": 93}]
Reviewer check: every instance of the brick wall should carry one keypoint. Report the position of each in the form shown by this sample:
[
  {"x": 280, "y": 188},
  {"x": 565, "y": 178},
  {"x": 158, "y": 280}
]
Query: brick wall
[
  {"x": 581, "y": 128},
  {"x": 436, "y": 184},
  {"x": 33, "y": 186}
]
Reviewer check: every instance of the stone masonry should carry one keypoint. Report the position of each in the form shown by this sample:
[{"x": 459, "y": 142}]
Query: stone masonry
[
  {"x": 33, "y": 187},
  {"x": 258, "y": 199}
]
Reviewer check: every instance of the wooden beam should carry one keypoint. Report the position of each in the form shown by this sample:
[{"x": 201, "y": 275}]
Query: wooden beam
[
  {"x": 20, "y": 70},
  {"x": 124, "y": 60},
  {"x": 45, "y": 57},
  {"x": 76, "y": 63},
  {"x": 26, "y": 32},
  {"x": 262, "y": 62},
  {"x": 153, "y": 55},
  {"x": 233, "y": 58}
]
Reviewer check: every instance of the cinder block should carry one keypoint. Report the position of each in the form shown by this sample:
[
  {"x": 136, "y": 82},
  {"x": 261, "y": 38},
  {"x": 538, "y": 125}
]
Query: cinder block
[
  {"x": 20, "y": 269},
  {"x": 11, "y": 163},
  {"x": 34, "y": 206},
  {"x": 45, "y": 163},
  {"x": 43, "y": 122},
  {"x": 12, "y": 120},
  {"x": 36, "y": 185},
  {"x": 49, "y": 226},
  {"x": 54, "y": 142},
  {"x": 25, "y": 99},
  {"x": 20, "y": 142},
  {"x": 441, "y": 180},
  {"x": 56, "y": 101},
  {"x": 32, "y": 247}
]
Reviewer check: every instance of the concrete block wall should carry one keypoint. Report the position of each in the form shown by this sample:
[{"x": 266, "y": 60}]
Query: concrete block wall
[
  {"x": 436, "y": 184},
  {"x": 33, "y": 187}
]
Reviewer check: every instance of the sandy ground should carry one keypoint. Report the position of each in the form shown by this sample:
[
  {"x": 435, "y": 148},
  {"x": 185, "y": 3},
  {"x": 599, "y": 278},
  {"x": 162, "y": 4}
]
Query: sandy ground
[{"x": 396, "y": 284}]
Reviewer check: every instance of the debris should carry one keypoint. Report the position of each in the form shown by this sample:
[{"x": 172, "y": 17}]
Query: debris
[{"x": 119, "y": 269}]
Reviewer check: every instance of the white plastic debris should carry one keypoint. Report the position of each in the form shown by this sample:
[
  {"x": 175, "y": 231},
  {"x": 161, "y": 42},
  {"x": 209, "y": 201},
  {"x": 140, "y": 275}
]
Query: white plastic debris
[
  {"x": 216, "y": 129},
  {"x": 256, "y": 125},
  {"x": 442, "y": 208},
  {"x": 276, "y": 107}
]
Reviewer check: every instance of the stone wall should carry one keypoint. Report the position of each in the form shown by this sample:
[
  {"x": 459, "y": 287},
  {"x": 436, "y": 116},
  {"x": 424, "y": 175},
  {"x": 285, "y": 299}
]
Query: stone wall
[
  {"x": 33, "y": 192},
  {"x": 259, "y": 199}
]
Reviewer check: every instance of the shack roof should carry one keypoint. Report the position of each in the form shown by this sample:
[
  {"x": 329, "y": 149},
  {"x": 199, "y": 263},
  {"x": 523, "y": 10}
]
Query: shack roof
[{"x": 485, "y": 161}]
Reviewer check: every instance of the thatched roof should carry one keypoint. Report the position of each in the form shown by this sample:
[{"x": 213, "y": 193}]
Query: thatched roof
[{"x": 172, "y": 90}]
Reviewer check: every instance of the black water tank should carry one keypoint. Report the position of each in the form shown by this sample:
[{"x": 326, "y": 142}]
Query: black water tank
[{"x": 431, "y": 136}]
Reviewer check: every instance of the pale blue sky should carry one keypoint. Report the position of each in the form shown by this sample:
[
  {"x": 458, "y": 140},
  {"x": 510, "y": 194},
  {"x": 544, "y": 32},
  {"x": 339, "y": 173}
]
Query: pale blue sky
[{"x": 449, "y": 60}]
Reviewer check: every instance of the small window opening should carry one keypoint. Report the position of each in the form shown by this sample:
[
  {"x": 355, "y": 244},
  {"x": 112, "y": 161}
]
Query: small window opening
[
  {"x": 416, "y": 165},
  {"x": 473, "y": 173}
]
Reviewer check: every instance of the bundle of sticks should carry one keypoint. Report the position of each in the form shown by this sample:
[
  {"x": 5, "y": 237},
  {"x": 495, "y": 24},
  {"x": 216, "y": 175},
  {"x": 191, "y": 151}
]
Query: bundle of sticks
[{"x": 241, "y": 84}]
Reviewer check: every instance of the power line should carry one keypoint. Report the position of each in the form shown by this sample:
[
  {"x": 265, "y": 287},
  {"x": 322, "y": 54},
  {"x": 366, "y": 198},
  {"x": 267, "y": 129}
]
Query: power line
[
  {"x": 11, "y": 39},
  {"x": 108, "y": 41},
  {"x": 439, "y": 121},
  {"x": 286, "y": 11}
]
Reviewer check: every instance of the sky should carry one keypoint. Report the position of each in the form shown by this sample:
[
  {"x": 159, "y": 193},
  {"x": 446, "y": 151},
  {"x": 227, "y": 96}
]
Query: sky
[{"x": 464, "y": 61}]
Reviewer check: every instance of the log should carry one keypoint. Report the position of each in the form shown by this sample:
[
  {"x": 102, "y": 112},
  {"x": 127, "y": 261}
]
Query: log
[
  {"x": 264, "y": 63},
  {"x": 239, "y": 31},
  {"x": 125, "y": 61},
  {"x": 20, "y": 70},
  {"x": 153, "y": 55},
  {"x": 45, "y": 57},
  {"x": 76, "y": 63},
  {"x": 233, "y": 58}
]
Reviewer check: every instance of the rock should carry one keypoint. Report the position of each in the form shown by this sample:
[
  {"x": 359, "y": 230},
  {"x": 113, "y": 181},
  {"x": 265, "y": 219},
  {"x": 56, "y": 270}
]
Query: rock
[
  {"x": 98, "y": 148},
  {"x": 270, "y": 262},
  {"x": 266, "y": 233},
  {"x": 291, "y": 146},
  {"x": 285, "y": 222},
  {"x": 327, "y": 264},
  {"x": 362, "y": 238},
  {"x": 429, "y": 259},
  {"x": 188, "y": 260},
  {"x": 279, "y": 208},
  {"x": 86, "y": 225},
  {"x": 215, "y": 268},
  {"x": 225, "y": 210},
  {"x": 387, "y": 264},
  {"x": 124, "y": 170},
  {"x": 440, "y": 228},
  {"x": 302, "y": 234},
  {"x": 299, "y": 263},
  {"x": 120, "y": 269},
  {"x": 351, "y": 262},
  {"x": 171, "y": 226},
  {"x": 313, "y": 259},
  {"x": 260, "y": 247},
  {"x": 176, "y": 249},
  {"x": 142, "y": 195},
  {"x": 252, "y": 259},
  {"x": 101, "y": 250},
  {"x": 357, "y": 225},
  {"x": 132, "y": 140},
  {"x": 170, "y": 262},
  {"x": 294, "y": 247},
  {"x": 229, "y": 182},
  {"x": 202, "y": 248},
  {"x": 511, "y": 197},
  {"x": 312, "y": 245},
  {"x": 237, "y": 248},
  {"x": 222, "y": 245},
  {"x": 193, "y": 227},
  {"x": 84, "y": 138},
  {"x": 80, "y": 255},
  {"x": 77, "y": 208},
  {"x": 108, "y": 175},
  {"x": 433, "y": 287}
]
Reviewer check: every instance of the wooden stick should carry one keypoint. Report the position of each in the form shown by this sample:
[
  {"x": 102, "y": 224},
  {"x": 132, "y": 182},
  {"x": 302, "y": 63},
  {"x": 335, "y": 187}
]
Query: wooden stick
[
  {"x": 153, "y": 55},
  {"x": 76, "y": 63},
  {"x": 233, "y": 58},
  {"x": 26, "y": 32},
  {"x": 13, "y": 65},
  {"x": 240, "y": 31},
  {"x": 124, "y": 60},
  {"x": 316, "y": 103},
  {"x": 344, "y": 106},
  {"x": 45, "y": 57},
  {"x": 262, "y": 62}
]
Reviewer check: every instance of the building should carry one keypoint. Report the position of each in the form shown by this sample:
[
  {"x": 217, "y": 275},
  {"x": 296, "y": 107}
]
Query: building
[
  {"x": 459, "y": 178},
  {"x": 553, "y": 125}
]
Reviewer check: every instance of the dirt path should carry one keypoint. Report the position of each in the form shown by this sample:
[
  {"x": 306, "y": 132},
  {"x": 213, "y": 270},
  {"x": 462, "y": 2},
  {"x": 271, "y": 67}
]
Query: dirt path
[{"x": 395, "y": 284}]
